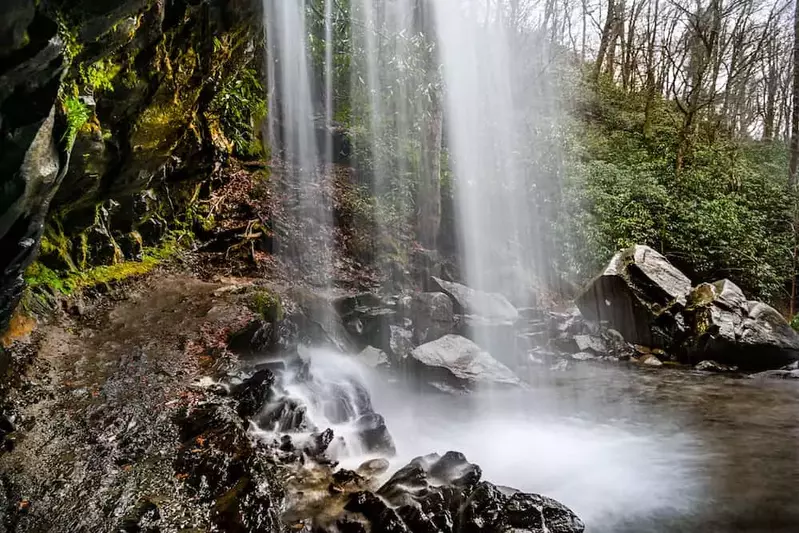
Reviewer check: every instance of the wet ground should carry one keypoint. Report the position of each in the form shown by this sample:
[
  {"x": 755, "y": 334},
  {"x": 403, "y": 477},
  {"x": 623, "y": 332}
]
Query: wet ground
[{"x": 96, "y": 440}]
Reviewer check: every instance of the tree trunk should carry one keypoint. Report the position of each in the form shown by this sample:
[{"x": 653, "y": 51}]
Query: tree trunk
[
  {"x": 604, "y": 41},
  {"x": 795, "y": 112}
]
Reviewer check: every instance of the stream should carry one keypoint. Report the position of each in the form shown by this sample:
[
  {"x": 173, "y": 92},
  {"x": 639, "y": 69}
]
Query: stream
[{"x": 628, "y": 449}]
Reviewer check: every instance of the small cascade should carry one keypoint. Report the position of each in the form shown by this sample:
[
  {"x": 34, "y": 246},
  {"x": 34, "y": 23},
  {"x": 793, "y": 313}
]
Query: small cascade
[{"x": 322, "y": 401}]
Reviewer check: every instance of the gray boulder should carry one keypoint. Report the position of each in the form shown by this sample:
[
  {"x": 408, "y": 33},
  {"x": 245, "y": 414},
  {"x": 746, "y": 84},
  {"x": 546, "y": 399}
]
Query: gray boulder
[
  {"x": 728, "y": 329},
  {"x": 473, "y": 302},
  {"x": 373, "y": 357},
  {"x": 433, "y": 314},
  {"x": 639, "y": 294},
  {"x": 455, "y": 362},
  {"x": 400, "y": 342}
]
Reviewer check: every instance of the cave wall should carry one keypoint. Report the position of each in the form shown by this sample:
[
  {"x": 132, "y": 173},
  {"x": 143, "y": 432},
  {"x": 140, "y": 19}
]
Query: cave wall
[{"x": 110, "y": 116}]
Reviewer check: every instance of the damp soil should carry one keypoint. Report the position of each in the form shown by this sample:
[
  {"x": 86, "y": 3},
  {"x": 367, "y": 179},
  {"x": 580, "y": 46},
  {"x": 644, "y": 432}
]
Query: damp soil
[{"x": 95, "y": 440}]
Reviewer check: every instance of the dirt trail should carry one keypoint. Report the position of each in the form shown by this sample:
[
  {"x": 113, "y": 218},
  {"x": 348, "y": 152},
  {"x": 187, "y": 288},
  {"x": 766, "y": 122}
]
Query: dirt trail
[{"x": 97, "y": 439}]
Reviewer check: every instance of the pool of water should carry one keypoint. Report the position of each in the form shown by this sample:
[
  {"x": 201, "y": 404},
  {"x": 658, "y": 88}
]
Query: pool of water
[{"x": 628, "y": 449}]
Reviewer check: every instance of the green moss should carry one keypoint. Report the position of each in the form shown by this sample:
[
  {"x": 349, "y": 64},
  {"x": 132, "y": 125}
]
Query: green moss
[
  {"x": 40, "y": 278},
  {"x": 268, "y": 305},
  {"x": 100, "y": 75},
  {"x": 69, "y": 35}
]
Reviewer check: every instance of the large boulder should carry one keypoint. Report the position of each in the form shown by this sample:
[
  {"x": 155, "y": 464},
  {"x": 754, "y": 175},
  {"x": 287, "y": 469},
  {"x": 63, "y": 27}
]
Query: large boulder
[
  {"x": 726, "y": 327},
  {"x": 433, "y": 314},
  {"x": 469, "y": 301},
  {"x": 455, "y": 362},
  {"x": 640, "y": 294},
  {"x": 652, "y": 304},
  {"x": 445, "y": 494}
]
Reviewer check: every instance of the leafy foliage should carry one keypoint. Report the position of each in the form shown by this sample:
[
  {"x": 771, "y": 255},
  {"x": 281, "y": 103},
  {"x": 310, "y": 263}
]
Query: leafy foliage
[
  {"x": 241, "y": 107},
  {"x": 726, "y": 214},
  {"x": 77, "y": 114}
]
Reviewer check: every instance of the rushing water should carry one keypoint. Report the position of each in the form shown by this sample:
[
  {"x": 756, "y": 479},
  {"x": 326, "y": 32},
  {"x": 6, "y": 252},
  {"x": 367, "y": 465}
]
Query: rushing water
[{"x": 629, "y": 450}]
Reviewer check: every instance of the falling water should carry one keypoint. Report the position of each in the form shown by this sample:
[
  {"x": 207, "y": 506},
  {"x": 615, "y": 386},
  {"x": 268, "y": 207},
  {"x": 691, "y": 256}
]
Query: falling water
[
  {"x": 489, "y": 98},
  {"x": 308, "y": 225}
]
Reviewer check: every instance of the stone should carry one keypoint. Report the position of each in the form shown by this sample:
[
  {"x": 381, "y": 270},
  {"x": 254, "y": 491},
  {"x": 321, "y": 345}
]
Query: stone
[
  {"x": 583, "y": 356},
  {"x": 638, "y": 294},
  {"x": 473, "y": 302},
  {"x": 434, "y": 316},
  {"x": 592, "y": 344},
  {"x": 373, "y": 468},
  {"x": 400, "y": 342},
  {"x": 374, "y": 435},
  {"x": 650, "y": 360},
  {"x": 455, "y": 361},
  {"x": 713, "y": 366},
  {"x": 730, "y": 330},
  {"x": 253, "y": 393},
  {"x": 435, "y": 494},
  {"x": 373, "y": 357},
  {"x": 777, "y": 374}
]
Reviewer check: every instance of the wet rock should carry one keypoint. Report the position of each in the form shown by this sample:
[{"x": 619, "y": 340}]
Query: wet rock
[
  {"x": 777, "y": 374},
  {"x": 380, "y": 516},
  {"x": 592, "y": 344},
  {"x": 650, "y": 360},
  {"x": 445, "y": 494},
  {"x": 374, "y": 435},
  {"x": 583, "y": 356},
  {"x": 713, "y": 366},
  {"x": 319, "y": 443},
  {"x": 455, "y": 361},
  {"x": 218, "y": 458},
  {"x": 285, "y": 415},
  {"x": 373, "y": 468},
  {"x": 400, "y": 342},
  {"x": 727, "y": 328},
  {"x": 434, "y": 316},
  {"x": 253, "y": 393},
  {"x": 373, "y": 357},
  {"x": 473, "y": 302},
  {"x": 638, "y": 294}
]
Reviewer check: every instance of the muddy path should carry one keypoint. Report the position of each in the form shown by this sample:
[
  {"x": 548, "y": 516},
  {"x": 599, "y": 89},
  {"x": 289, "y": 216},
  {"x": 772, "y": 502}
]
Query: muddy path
[{"x": 95, "y": 410}]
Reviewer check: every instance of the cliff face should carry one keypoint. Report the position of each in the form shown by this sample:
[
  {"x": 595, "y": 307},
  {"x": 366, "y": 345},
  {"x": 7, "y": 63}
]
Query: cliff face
[{"x": 112, "y": 113}]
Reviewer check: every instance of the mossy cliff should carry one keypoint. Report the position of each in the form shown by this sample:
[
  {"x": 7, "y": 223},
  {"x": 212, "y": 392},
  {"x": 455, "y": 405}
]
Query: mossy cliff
[{"x": 112, "y": 113}]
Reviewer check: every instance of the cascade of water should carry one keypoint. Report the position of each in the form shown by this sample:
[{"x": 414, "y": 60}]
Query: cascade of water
[
  {"x": 487, "y": 139},
  {"x": 328, "y": 160},
  {"x": 293, "y": 136}
]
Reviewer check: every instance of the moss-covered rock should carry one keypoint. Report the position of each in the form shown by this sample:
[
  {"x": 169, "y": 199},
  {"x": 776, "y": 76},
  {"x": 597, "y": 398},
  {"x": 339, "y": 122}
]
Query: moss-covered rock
[{"x": 101, "y": 100}]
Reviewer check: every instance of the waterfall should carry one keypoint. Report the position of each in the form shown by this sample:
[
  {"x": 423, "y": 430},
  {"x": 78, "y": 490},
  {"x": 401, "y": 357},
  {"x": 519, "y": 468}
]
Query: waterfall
[{"x": 294, "y": 142}]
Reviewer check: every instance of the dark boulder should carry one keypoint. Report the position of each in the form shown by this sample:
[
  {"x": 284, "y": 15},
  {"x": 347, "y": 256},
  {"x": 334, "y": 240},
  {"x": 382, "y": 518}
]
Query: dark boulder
[
  {"x": 455, "y": 362},
  {"x": 435, "y": 494},
  {"x": 639, "y": 294},
  {"x": 374, "y": 435},
  {"x": 726, "y": 328},
  {"x": 253, "y": 393},
  {"x": 653, "y": 306}
]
